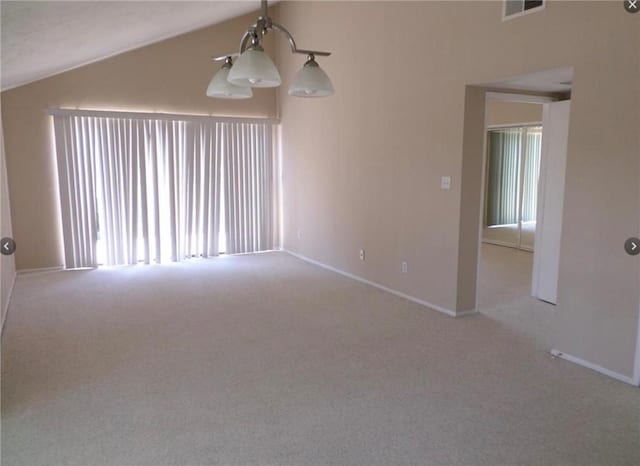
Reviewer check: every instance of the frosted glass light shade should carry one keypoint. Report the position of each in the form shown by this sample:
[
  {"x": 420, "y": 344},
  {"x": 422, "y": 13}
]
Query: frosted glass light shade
[
  {"x": 254, "y": 68},
  {"x": 220, "y": 87},
  {"x": 311, "y": 81}
]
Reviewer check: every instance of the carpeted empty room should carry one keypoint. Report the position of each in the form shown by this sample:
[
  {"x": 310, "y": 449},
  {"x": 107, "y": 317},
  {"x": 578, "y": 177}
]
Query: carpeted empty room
[
  {"x": 313, "y": 233},
  {"x": 267, "y": 360}
]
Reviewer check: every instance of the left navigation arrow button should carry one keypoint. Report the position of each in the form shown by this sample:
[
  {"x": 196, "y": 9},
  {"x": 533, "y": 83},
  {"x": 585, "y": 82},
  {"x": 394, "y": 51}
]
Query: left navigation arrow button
[{"x": 7, "y": 246}]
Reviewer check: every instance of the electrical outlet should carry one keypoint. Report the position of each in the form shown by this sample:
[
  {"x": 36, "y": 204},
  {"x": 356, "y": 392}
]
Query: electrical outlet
[
  {"x": 405, "y": 267},
  {"x": 361, "y": 254},
  {"x": 445, "y": 182}
]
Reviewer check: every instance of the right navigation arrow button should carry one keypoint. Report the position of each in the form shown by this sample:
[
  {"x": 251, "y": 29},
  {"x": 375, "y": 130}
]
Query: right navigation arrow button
[{"x": 632, "y": 246}]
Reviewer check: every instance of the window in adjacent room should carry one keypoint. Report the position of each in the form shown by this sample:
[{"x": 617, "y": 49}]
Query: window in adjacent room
[{"x": 513, "y": 169}]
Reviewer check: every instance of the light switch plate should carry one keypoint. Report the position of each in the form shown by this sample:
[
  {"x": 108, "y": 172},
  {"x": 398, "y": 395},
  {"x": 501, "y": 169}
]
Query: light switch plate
[{"x": 445, "y": 182}]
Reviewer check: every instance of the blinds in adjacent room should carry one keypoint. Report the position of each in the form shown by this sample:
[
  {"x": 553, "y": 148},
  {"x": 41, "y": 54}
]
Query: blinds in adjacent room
[
  {"x": 151, "y": 188},
  {"x": 503, "y": 176},
  {"x": 513, "y": 167},
  {"x": 531, "y": 172}
]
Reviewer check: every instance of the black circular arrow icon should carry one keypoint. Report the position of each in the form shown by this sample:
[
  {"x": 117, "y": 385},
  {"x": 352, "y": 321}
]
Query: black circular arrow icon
[{"x": 7, "y": 246}]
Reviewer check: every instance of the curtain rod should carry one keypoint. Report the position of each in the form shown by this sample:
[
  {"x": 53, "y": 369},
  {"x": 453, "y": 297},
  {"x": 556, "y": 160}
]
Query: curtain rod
[{"x": 155, "y": 116}]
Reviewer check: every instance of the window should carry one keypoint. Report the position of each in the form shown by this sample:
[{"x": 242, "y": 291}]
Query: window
[
  {"x": 136, "y": 187},
  {"x": 513, "y": 168},
  {"x": 515, "y": 8}
]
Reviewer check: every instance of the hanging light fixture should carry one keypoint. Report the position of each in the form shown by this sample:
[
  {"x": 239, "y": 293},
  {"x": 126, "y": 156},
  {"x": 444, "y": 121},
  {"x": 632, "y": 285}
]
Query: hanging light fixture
[
  {"x": 254, "y": 68},
  {"x": 311, "y": 81},
  {"x": 221, "y": 87}
]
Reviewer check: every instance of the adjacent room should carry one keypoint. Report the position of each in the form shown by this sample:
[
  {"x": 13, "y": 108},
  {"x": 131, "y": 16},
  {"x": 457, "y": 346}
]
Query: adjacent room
[
  {"x": 513, "y": 140},
  {"x": 311, "y": 233}
]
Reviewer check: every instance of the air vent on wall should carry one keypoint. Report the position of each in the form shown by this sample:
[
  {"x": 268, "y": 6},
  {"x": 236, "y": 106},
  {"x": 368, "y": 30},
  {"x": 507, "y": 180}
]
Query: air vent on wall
[{"x": 515, "y": 8}]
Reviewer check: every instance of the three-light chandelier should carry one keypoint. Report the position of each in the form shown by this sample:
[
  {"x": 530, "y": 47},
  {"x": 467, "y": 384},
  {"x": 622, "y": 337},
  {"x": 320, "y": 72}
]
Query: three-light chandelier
[{"x": 254, "y": 68}]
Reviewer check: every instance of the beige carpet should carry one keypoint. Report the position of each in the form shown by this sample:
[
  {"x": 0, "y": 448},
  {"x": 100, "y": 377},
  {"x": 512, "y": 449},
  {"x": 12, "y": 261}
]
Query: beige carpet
[
  {"x": 267, "y": 360},
  {"x": 505, "y": 294}
]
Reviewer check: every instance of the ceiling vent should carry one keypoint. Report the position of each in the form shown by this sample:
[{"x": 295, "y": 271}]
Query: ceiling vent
[{"x": 515, "y": 8}]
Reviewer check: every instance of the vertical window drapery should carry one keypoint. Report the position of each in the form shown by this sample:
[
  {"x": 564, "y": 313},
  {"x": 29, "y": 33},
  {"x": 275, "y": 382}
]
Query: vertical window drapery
[
  {"x": 144, "y": 189},
  {"x": 504, "y": 169},
  {"x": 531, "y": 173},
  {"x": 117, "y": 147},
  {"x": 512, "y": 175},
  {"x": 76, "y": 179},
  {"x": 249, "y": 192}
]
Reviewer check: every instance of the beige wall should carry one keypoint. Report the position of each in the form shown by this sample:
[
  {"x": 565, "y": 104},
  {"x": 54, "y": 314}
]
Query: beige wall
[
  {"x": 170, "y": 76},
  {"x": 7, "y": 263},
  {"x": 500, "y": 112},
  {"x": 471, "y": 189},
  {"x": 362, "y": 169}
]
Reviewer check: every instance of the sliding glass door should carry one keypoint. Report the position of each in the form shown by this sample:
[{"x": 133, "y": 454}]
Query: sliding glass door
[
  {"x": 145, "y": 188},
  {"x": 513, "y": 167}
]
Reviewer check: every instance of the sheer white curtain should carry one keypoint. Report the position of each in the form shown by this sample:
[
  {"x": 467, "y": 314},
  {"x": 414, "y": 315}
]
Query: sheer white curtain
[{"x": 150, "y": 189}]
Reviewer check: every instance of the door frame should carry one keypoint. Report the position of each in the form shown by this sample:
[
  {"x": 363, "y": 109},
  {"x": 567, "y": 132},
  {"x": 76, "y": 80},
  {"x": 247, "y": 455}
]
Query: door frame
[
  {"x": 508, "y": 97},
  {"x": 543, "y": 192}
]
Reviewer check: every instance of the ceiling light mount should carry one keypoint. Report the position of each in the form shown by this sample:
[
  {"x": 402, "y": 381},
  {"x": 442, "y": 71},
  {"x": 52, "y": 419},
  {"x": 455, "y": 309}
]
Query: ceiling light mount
[{"x": 254, "y": 68}]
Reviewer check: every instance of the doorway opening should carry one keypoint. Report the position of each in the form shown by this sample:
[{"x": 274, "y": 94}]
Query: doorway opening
[
  {"x": 513, "y": 142},
  {"x": 524, "y": 157},
  {"x": 524, "y": 173}
]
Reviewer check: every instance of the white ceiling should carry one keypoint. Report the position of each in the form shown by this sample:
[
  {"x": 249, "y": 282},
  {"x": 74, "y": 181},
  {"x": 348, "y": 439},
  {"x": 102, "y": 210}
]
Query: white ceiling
[
  {"x": 555, "y": 80},
  {"x": 40, "y": 39}
]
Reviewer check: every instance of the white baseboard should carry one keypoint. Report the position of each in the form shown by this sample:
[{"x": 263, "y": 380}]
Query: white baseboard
[
  {"x": 40, "y": 270},
  {"x": 422, "y": 302},
  {"x": 496, "y": 242},
  {"x": 592, "y": 366},
  {"x": 6, "y": 306}
]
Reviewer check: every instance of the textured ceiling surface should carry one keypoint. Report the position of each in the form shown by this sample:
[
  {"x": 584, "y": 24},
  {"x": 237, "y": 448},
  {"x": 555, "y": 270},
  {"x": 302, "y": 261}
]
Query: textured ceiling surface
[
  {"x": 554, "y": 80},
  {"x": 40, "y": 39}
]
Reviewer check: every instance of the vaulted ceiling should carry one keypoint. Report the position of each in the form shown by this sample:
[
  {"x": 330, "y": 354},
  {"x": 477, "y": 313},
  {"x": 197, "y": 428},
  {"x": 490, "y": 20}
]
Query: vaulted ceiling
[{"x": 40, "y": 39}]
